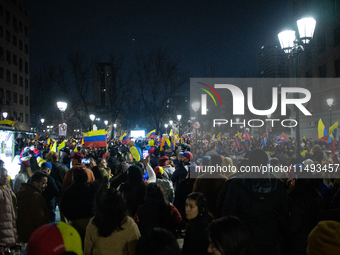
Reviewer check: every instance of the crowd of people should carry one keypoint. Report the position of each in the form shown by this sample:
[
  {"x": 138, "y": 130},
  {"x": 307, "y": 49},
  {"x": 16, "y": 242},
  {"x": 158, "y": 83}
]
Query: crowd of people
[{"x": 115, "y": 200}]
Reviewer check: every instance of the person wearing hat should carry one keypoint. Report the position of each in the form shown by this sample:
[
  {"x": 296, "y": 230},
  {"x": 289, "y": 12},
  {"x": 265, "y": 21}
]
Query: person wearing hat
[
  {"x": 168, "y": 170},
  {"x": 54, "y": 239},
  {"x": 32, "y": 207},
  {"x": 324, "y": 239},
  {"x": 76, "y": 163},
  {"x": 8, "y": 230}
]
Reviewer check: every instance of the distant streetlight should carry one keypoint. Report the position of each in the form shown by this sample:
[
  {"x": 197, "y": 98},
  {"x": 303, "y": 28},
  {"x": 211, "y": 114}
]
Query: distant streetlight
[
  {"x": 171, "y": 122},
  {"x": 166, "y": 128},
  {"x": 42, "y": 121},
  {"x": 106, "y": 122},
  {"x": 179, "y": 117},
  {"x": 195, "y": 106},
  {"x": 115, "y": 125},
  {"x": 62, "y": 108},
  {"x": 4, "y": 114},
  {"x": 293, "y": 46},
  {"x": 92, "y": 117},
  {"x": 330, "y": 103}
]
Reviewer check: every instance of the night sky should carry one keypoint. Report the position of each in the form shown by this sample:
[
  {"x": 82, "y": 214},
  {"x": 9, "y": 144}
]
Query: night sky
[{"x": 199, "y": 33}]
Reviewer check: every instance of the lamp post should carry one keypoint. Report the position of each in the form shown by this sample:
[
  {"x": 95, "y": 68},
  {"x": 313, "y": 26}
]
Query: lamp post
[
  {"x": 166, "y": 128},
  {"x": 115, "y": 125},
  {"x": 195, "y": 106},
  {"x": 62, "y": 108},
  {"x": 42, "y": 124},
  {"x": 179, "y": 117},
  {"x": 4, "y": 114},
  {"x": 92, "y": 117},
  {"x": 330, "y": 103},
  {"x": 293, "y": 45}
]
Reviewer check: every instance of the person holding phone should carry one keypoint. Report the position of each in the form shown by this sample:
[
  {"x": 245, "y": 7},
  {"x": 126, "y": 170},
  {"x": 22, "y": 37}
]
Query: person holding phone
[{"x": 76, "y": 163}]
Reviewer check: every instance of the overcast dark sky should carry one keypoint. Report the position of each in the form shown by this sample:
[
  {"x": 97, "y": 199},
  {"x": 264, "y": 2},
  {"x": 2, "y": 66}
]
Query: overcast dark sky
[{"x": 200, "y": 33}]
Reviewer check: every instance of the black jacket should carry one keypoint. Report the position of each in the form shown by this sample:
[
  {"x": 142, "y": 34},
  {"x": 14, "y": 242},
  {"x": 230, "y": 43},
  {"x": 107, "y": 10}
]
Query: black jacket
[
  {"x": 196, "y": 237},
  {"x": 304, "y": 206},
  {"x": 58, "y": 172},
  {"x": 261, "y": 204},
  {"x": 78, "y": 200}
]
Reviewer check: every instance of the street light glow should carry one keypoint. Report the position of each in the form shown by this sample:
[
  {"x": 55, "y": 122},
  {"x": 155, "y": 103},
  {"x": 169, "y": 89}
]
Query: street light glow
[
  {"x": 179, "y": 117},
  {"x": 330, "y": 102},
  {"x": 171, "y": 122},
  {"x": 115, "y": 125},
  {"x": 92, "y": 117},
  {"x": 106, "y": 122},
  {"x": 42, "y": 121},
  {"x": 5, "y": 114},
  {"x": 62, "y": 106},
  {"x": 286, "y": 39},
  {"x": 166, "y": 125},
  {"x": 306, "y": 28},
  {"x": 195, "y": 106}
]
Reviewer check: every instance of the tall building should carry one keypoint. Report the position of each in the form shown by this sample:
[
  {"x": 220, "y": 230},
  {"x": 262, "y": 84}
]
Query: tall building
[
  {"x": 14, "y": 62},
  {"x": 104, "y": 88},
  {"x": 272, "y": 61}
]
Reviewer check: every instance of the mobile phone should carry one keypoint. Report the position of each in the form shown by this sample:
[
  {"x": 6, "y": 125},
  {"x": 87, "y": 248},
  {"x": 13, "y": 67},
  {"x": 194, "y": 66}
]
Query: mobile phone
[
  {"x": 145, "y": 154},
  {"x": 85, "y": 161}
]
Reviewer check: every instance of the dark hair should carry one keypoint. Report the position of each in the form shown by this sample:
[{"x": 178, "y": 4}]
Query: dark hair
[
  {"x": 201, "y": 203},
  {"x": 96, "y": 172},
  {"x": 122, "y": 168},
  {"x": 79, "y": 175},
  {"x": 216, "y": 160},
  {"x": 99, "y": 161},
  {"x": 158, "y": 241},
  {"x": 156, "y": 152},
  {"x": 111, "y": 213},
  {"x": 135, "y": 174},
  {"x": 37, "y": 176},
  {"x": 155, "y": 192},
  {"x": 23, "y": 169},
  {"x": 230, "y": 236}
]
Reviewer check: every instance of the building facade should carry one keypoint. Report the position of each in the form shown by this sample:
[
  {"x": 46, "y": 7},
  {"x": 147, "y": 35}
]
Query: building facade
[{"x": 14, "y": 62}]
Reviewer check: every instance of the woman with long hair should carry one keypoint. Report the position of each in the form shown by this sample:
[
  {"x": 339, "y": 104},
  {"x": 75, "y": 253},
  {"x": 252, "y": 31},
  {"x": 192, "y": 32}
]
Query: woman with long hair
[
  {"x": 156, "y": 212},
  {"x": 229, "y": 235},
  {"x": 22, "y": 176},
  {"x": 111, "y": 231},
  {"x": 196, "y": 238}
]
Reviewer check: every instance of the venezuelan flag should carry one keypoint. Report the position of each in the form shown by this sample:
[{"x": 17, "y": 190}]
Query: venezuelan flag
[
  {"x": 151, "y": 134},
  {"x": 61, "y": 146},
  {"x": 322, "y": 132},
  {"x": 95, "y": 139}
]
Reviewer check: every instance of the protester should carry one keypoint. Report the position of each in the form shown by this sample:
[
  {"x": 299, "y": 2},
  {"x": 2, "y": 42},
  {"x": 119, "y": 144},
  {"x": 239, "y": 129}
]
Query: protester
[
  {"x": 22, "y": 176},
  {"x": 78, "y": 202},
  {"x": 8, "y": 228},
  {"x": 196, "y": 238},
  {"x": 76, "y": 163},
  {"x": 229, "y": 235},
  {"x": 32, "y": 207},
  {"x": 134, "y": 190},
  {"x": 111, "y": 231},
  {"x": 156, "y": 212},
  {"x": 158, "y": 242}
]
